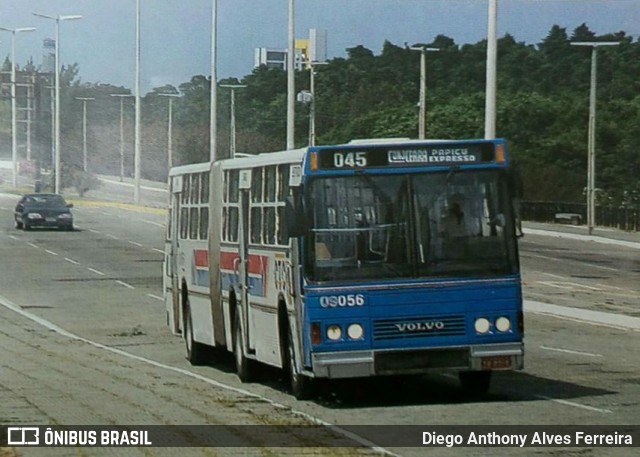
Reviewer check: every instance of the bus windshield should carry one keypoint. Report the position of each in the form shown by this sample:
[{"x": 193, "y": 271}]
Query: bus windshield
[{"x": 376, "y": 227}]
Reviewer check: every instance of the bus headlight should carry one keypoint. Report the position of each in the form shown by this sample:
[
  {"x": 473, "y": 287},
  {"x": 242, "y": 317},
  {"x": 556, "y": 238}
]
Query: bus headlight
[
  {"x": 482, "y": 325},
  {"x": 355, "y": 331},
  {"x": 503, "y": 324},
  {"x": 334, "y": 332}
]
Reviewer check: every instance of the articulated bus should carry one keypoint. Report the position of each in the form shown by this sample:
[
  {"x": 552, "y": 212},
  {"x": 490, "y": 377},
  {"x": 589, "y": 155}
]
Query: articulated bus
[{"x": 364, "y": 259}]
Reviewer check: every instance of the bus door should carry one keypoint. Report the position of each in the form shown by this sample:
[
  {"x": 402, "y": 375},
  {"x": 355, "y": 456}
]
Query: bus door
[
  {"x": 172, "y": 252},
  {"x": 243, "y": 241}
]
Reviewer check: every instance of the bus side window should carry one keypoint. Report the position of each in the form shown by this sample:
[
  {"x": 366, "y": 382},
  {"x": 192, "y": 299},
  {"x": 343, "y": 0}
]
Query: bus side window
[
  {"x": 194, "y": 223},
  {"x": 204, "y": 223},
  {"x": 233, "y": 224},
  {"x": 270, "y": 225},
  {"x": 256, "y": 224},
  {"x": 184, "y": 223},
  {"x": 234, "y": 183},
  {"x": 204, "y": 190}
]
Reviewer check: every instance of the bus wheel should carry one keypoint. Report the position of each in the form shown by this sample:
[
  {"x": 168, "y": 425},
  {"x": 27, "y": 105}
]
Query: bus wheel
[
  {"x": 196, "y": 352},
  {"x": 475, "y": 383},
  {"x": 301, "y": 387},
  {"x": 244, "y": 366}
]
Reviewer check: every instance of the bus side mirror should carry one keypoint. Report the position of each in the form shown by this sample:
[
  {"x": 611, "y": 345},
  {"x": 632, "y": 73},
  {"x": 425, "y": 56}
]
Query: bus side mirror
[{"x": 295, "y": 219}]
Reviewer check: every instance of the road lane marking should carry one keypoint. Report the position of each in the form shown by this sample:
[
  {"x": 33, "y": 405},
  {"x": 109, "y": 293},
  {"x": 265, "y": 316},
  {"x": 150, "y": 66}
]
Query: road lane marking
[
  {"x": 13, "y": 237},
  {"x": 596, "y": 239},
  {"x": 569, "y": 351},
  {"x": 33, "y": 245},
  {"x": 579, "y": 262},
  {"x": 94, "y": 231},
  {"x": 71, "y": 261},
  {"x": 50, "y": 252},
  {"x": 135, "y": 243},
  {"x": 158, "y": 250},
  {"x": 575, "y": 405},
  {"x": 109, "y": 235},
  {"x": 93, "y": 270},
  {"x": 156, "y": 297},
  {"x": 569, "y": 285},
  {"x": 553, "y": 276},
  {"x": 585, "y": 316},
  {"x": 122, "y": 283},
  {"x": 335, "y": 428},
  {"x": 157, "y": 224}
]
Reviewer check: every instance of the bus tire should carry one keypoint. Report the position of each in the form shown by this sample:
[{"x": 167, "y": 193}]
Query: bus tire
[
  {"x": 244, "y": 366},
  {"x": 475, "y": 383},
  {"x": 196, "y": 352},
  {"x": 300, "y": 386}
]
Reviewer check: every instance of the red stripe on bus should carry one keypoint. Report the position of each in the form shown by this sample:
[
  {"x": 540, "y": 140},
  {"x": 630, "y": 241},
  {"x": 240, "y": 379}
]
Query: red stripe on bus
[
  {"x": 257, "y": 263},
  {"x": 201, "y": 257}
]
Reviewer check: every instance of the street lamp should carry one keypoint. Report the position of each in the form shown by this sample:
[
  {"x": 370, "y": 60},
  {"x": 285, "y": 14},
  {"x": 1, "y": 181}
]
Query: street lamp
[
  {"x": 423, "y": 87},
  {"x": 57, "y": 91},
  {"x": 591, "y": 152},
  {"x": 122, "y": 97},
  {"x": 291, "y": 89},
  {"x": 232, "y": 124},
  {"x": 136, "y": 141},
  {"x": 84, "y": 130},
  {"x": 310, "y": 97},
  {"x": 213, "y": 102},
  {"x": 14, "y": 144},
  {"x": 491, "y": 78},
  {"x": 170, "y": 130}
]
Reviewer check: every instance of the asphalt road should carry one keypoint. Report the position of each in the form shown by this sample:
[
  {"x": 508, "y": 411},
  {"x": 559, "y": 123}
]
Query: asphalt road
[{"x": 85, "y": 342}]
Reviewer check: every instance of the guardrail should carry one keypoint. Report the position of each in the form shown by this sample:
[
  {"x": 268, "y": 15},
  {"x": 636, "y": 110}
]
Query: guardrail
[{"x": 622, "y": 218}]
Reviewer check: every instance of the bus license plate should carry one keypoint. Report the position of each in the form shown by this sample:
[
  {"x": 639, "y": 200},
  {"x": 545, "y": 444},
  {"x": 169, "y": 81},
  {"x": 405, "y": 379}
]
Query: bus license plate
[{"x": 496, "y": 362}]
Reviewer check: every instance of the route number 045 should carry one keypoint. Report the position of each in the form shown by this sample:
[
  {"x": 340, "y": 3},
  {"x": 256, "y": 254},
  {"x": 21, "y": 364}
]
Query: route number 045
[{"x": 349, "y": 159}]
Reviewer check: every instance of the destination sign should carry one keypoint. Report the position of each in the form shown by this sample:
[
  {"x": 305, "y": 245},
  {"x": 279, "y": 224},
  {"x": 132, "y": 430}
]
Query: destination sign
[{"x": 406, "y": 155}]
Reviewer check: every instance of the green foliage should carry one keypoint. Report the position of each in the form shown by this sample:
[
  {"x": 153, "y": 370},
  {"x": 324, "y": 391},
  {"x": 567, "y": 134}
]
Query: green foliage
[{"x": 543, "y": 93}]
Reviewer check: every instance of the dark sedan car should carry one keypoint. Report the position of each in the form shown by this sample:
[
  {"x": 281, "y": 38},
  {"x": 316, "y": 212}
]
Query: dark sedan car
[{"x": 43, "y": 210}]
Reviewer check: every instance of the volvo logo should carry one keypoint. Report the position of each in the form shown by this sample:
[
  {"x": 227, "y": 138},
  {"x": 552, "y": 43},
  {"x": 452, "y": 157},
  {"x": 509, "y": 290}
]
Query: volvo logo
[{"x": 420, "y": 326}]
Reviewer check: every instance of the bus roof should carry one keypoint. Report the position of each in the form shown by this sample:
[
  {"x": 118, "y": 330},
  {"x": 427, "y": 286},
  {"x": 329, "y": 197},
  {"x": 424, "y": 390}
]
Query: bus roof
[
  {"x": 190, "y": 168},
  {"x": 265, "y": 158},
  {"x": 297, "y": 155}
]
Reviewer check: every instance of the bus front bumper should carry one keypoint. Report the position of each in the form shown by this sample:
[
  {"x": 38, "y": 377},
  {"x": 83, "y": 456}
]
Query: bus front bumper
[{"x": 352, "y": 364}]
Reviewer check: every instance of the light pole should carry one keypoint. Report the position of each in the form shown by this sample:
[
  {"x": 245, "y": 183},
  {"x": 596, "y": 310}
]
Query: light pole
[
  {"x": 57, "y": 91},
  {"x": 422, "y": 118},
  {"x": 170, "y": 130},
  {"x": 213, "y": 110},
  {"x": 310, "y": 97},
  {"x": 14, "y": 141},
  {"x": 492, "y": 63},
  {"x": 84, "y": 130},
  {"x": 136, "y": 143},
  {"x": 232, "y": 124},
  {"x": 122, "y": 97},
  {"x": 591, "y": 146},
  {"x": 291, "y": 89}
]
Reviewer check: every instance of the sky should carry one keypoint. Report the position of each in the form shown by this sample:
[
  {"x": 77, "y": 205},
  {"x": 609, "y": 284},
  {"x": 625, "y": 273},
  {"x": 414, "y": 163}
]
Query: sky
[{"x": 176, "y": 34}]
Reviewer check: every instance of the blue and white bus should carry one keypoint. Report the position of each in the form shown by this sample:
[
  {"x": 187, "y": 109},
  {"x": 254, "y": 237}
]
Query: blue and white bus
[{"x": 364, "y": 259}]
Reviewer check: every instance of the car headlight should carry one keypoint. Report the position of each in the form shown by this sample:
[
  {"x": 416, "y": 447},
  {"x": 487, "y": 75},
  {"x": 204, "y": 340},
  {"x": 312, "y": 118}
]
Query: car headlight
[
  {"x": 65, "y": 216},
  {"x": 503, "y": 324},
  {"x": 482, "y": 325},
  {"x": 334, "y": 332},
  {"x": 355, "y": 331},
  {"x": 34, "y": 216}
]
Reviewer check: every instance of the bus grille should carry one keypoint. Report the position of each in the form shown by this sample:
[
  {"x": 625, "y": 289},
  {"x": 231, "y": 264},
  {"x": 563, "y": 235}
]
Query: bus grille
[{"x": 418, "y": 327}]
